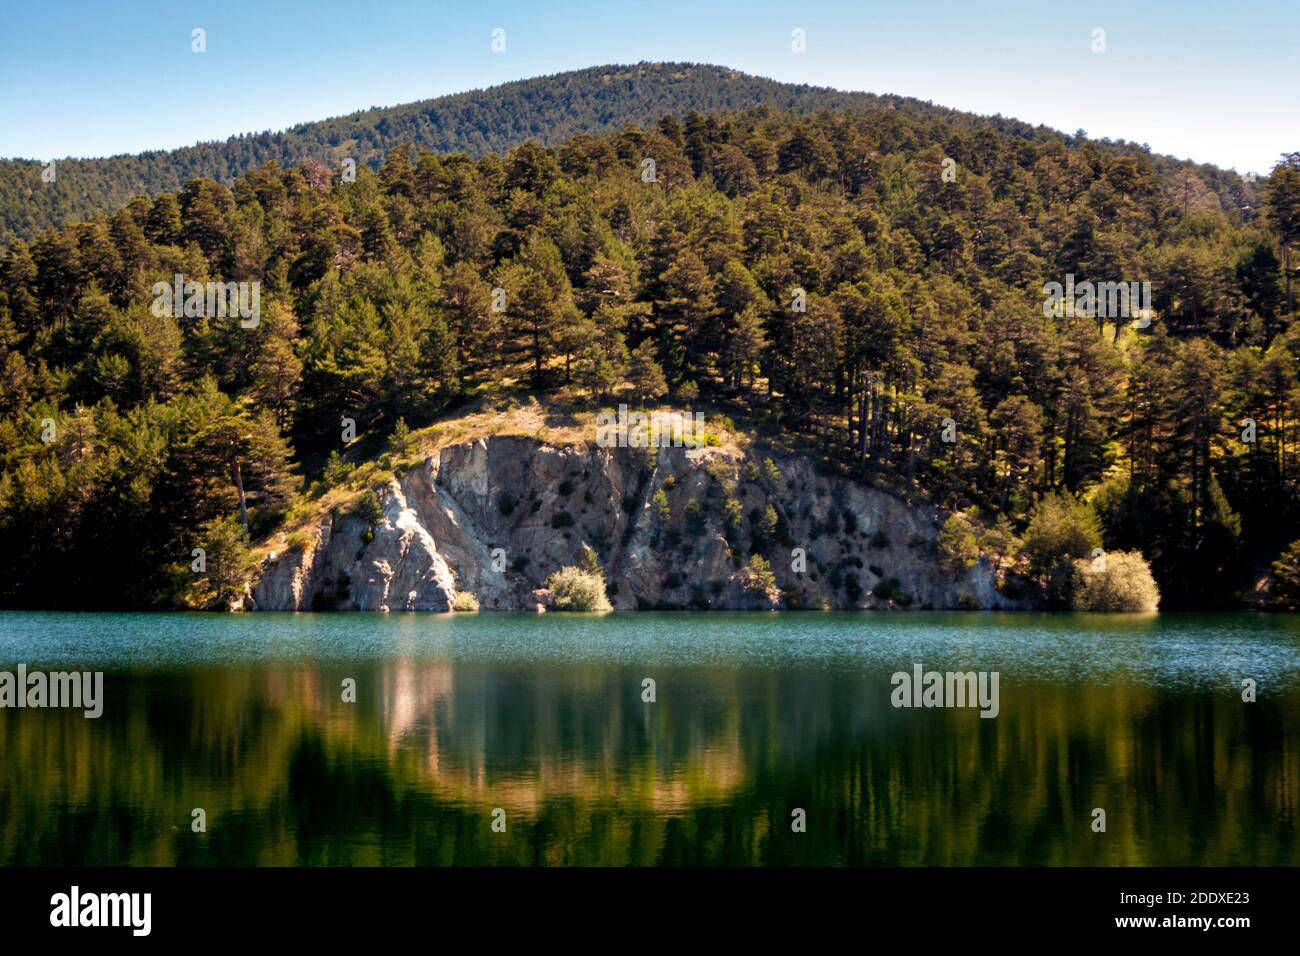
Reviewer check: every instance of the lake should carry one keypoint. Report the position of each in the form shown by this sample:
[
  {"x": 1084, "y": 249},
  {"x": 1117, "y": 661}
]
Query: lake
[{"x": 755, "y": 717}]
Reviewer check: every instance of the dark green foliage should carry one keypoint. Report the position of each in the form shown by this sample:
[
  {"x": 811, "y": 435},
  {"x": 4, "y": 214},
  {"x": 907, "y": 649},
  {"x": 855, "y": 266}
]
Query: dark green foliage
[
  {"x": 891, "y": 590},
  {"x": 551, "y": 109},
  {"x": 1061, "y": 531},
  {"x": 367, "y": 507},
  {"x": 922, "y": 302},
  {"x": 1285, "y": 591}
]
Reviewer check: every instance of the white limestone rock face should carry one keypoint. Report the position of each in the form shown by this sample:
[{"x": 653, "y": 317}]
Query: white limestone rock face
[
  {"x": 401, "y": 569},
  {"x": 495, "y": 516}
]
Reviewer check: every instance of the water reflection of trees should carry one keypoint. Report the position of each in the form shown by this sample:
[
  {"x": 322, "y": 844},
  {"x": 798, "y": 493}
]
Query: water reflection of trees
[{"x": 589, "y": 774}]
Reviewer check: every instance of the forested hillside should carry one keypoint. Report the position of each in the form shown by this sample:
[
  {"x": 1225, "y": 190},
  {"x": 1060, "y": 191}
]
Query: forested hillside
[
  {"x": 546, "y": 109},
  {"x": 867, "y": 285}
]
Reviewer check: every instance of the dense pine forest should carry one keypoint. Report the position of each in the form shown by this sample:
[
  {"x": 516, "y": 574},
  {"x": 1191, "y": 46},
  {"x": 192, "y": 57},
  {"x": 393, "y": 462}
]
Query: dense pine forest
[
  {"x": 865, "y": 284},
  {"x": 546, "y": 109},
  {"x": 36, "y": 195}
]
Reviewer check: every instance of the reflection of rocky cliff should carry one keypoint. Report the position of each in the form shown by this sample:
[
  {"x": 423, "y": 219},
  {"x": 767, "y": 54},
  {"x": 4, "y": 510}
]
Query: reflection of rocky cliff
[
  {"x": 483, "y": 734},
  {"x": 442, "y": 520}
]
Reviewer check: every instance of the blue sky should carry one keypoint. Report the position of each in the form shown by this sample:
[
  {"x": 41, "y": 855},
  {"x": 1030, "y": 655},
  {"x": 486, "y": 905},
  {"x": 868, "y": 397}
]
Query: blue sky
[{"x": 1214, "y": 82}]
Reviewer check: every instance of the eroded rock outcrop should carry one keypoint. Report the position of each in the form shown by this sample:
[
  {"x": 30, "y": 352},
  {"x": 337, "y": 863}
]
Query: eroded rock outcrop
[{"x": 494, "y": 517}]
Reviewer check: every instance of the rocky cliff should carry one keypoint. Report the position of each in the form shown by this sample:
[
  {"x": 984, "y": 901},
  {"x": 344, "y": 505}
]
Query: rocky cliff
[{"x": 494, "y": 517}]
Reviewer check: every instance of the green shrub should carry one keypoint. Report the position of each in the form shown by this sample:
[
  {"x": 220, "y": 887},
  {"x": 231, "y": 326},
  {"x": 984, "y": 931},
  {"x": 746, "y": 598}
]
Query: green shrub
[
  {"x": 227, "y": 562},
  {"x": 1118, "y": 581},
  {"x": 1000, "y": 541},
  {"x": 590, "y": 560},
  {"x": 337, "y": 469},
  {"x": 1061, "y": 530},
  {"x": 695, "y": 517},
  {"x": 887, "y": 590},
  {"x": 1284, "y": 585},
  {"x": 367, "y": 507},
  {"x": 659, "y": 505},
  {"x": 758, "y": 576},
  {"x": 734, "y": 512},
  {"x": 958, "y": 548},
  {"x": 577, "y": 590},
  {"x": 464, "y": 602},
  {"x": 399, "y": 442}
]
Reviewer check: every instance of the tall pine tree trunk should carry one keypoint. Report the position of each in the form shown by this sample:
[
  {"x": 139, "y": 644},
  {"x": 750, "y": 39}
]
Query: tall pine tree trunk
[{"x": 239, "y": 488}]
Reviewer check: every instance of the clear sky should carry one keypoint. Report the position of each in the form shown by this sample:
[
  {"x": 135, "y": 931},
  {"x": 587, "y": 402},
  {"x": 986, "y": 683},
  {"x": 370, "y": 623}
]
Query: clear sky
[{"x": 1210, "y": 81}]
